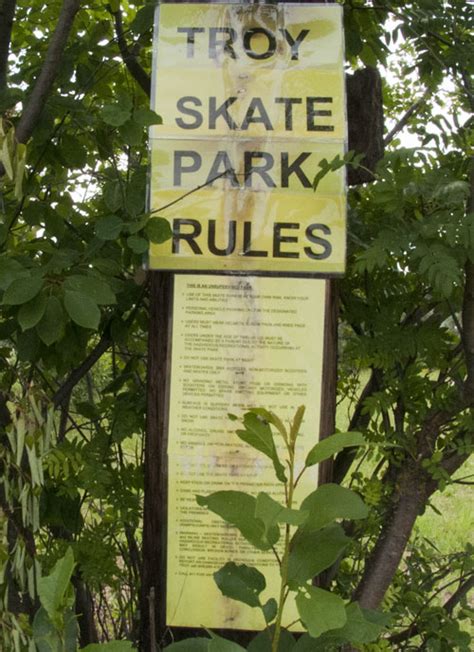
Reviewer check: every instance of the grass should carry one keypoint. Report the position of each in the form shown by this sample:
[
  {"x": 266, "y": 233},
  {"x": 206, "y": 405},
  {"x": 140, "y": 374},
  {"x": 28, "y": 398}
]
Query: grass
[
  {"x": 450, "y": 525},
  {"x": 448, "y": 521}
]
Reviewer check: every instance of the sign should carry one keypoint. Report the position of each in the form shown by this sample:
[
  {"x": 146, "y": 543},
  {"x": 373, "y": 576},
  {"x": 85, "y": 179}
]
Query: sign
[
  {"x": 237, "y": 343},
  {"x": 252, "y": 99}
]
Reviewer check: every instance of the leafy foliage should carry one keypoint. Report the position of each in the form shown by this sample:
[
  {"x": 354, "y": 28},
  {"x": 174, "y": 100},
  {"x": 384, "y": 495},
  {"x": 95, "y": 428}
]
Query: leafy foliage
[
  {"x": 74, "y": 306},
  {"x": 316, "y": 544}
]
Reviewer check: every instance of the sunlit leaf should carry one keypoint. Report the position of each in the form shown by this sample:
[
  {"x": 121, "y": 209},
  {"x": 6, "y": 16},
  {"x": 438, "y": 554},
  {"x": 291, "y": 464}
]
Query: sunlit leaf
[
  {"x": 238, "y": 508},
  {"x": 332, "y": 445},
  {"x": 320, "y": 610}
]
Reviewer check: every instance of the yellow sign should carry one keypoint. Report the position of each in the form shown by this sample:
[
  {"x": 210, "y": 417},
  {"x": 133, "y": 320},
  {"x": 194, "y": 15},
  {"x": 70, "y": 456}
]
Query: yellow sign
[
  {"x": 237, "y": 343},
  {"x": 252, "y": 99}
]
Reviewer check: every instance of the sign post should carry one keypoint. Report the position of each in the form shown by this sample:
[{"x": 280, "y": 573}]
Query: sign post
[{"x": 252, "y": 99}]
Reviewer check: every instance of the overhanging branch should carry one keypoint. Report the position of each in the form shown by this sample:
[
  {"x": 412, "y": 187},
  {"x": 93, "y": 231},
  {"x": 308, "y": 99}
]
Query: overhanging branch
[
  {"x": 413, "y": 630},
  {"x": 7, "y": 13},
  {"x": 48, "y": 73},
  {"x": 360, "y": 420},
  {"x": 129, "y": 57},
  {"x": 63, "y": 393},
  {"x": 468, "y": 311},
  {"x": 405, "y": 119}
]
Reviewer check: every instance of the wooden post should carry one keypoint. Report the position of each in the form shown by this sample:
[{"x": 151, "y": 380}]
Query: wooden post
[
  {"x": 153, "y": 589},
  {"x": 328, "y": 393}
]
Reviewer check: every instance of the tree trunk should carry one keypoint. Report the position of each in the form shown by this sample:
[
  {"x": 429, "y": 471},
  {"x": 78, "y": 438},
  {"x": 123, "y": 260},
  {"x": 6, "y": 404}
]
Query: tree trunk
[{"x": 385, "y": 558}]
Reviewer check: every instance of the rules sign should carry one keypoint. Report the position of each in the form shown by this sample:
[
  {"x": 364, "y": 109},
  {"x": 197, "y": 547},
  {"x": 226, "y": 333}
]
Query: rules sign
[{"x": 252, "y": 99}]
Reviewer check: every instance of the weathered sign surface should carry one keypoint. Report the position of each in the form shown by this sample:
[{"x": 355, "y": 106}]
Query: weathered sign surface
[
  {"x": 252, "y": 99},
  {"x": 237, "y": 343}
]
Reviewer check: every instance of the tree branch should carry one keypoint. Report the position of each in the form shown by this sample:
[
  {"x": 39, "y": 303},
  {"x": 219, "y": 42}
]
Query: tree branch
[
  {"x": 63, "y": 421},
  {"x": 405, "y": 119},
  {"x": 383, "y": 562},
  {"x": 7, "y": 13},
  {"x": 129, "y": 57},
  {"x": 63, "y": 393},
  {"x": 449, "y": 605},
  {"x": 413, "y": 487},
  {"x": 462, "y": 590},
  {"x": 48, "y": 73},
  {"x": 360, "y": 419},
  {"x": 84, "y": 608},
  {"x": 452, "y": 462},
  {"x": 468, "y": 311}
]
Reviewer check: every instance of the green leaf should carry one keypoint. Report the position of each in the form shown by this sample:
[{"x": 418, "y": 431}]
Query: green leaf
[
  {"x": 6, "y": 155},
  {"x": 73, "y": 151},
  {"x": 219, "y": 644},
  {"x": 242, "y": 583},
  {"x": 262, "y": 642},
  {"x": 368, "y": 56},
  {"x": 61, "y": 509},
  {"x": 96, "y": 289},
  {"x": 158, "y": 230},
  {"x": 137, "y": 245},
  {"x": 320, "y": 610},
  {"x": 132, "y": 133},
  {"x": 126, "y": 420},
  {"x": 270, "y": 610},
  {"x": 307, "y": 643},
  {"x": 311, "y": 553},
  {"x": 113, "y": 196},
  {"x": 332, "y": 445},
  {"x": 10, "y": 270},
  {"x": 330, "y": 502},
  {"x": 143, "y": 21},
  {"x": 51, "y": 326},
  {"x": 45, "y": 634},
  {"x": 82, "y": 309},
  {"x": 9, "y": 98},
  {"x": 53, "y": 222},
  {"x": 71, "y": 629},
  {"x": 271, "y": 512},
  {"x": 353, "y": 40},
  {"x": 28, "y": 346},
  {"x": 52, "y": 589},
  {"x": 22, "y": 290},
  {"x": 363, "y": 626},
  {"x": 146, "y": 117},
  {"x": 136, "y": 192},
  {"x": 189, "y": 645},
  {"x": 273, "y": 419},
  {"x": 88, "y": 409},
  {"x": 111, "y": 646},
  {"x": 31, "y": 313},
  {"x": 238, "y": 508},
  {"x": 109, "y": 227},
  {"x": 258, "y": 434},
  {"x": 33, "y": 214},
  {"x": 115, "y": 114},
  {"x": 297, "y": 421},
  {"x": 20, "y": 170}
]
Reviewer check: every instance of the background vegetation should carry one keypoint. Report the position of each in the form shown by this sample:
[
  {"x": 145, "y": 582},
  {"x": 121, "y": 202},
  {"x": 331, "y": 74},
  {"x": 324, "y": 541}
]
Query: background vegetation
[{"x": 74, "y": 86}]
